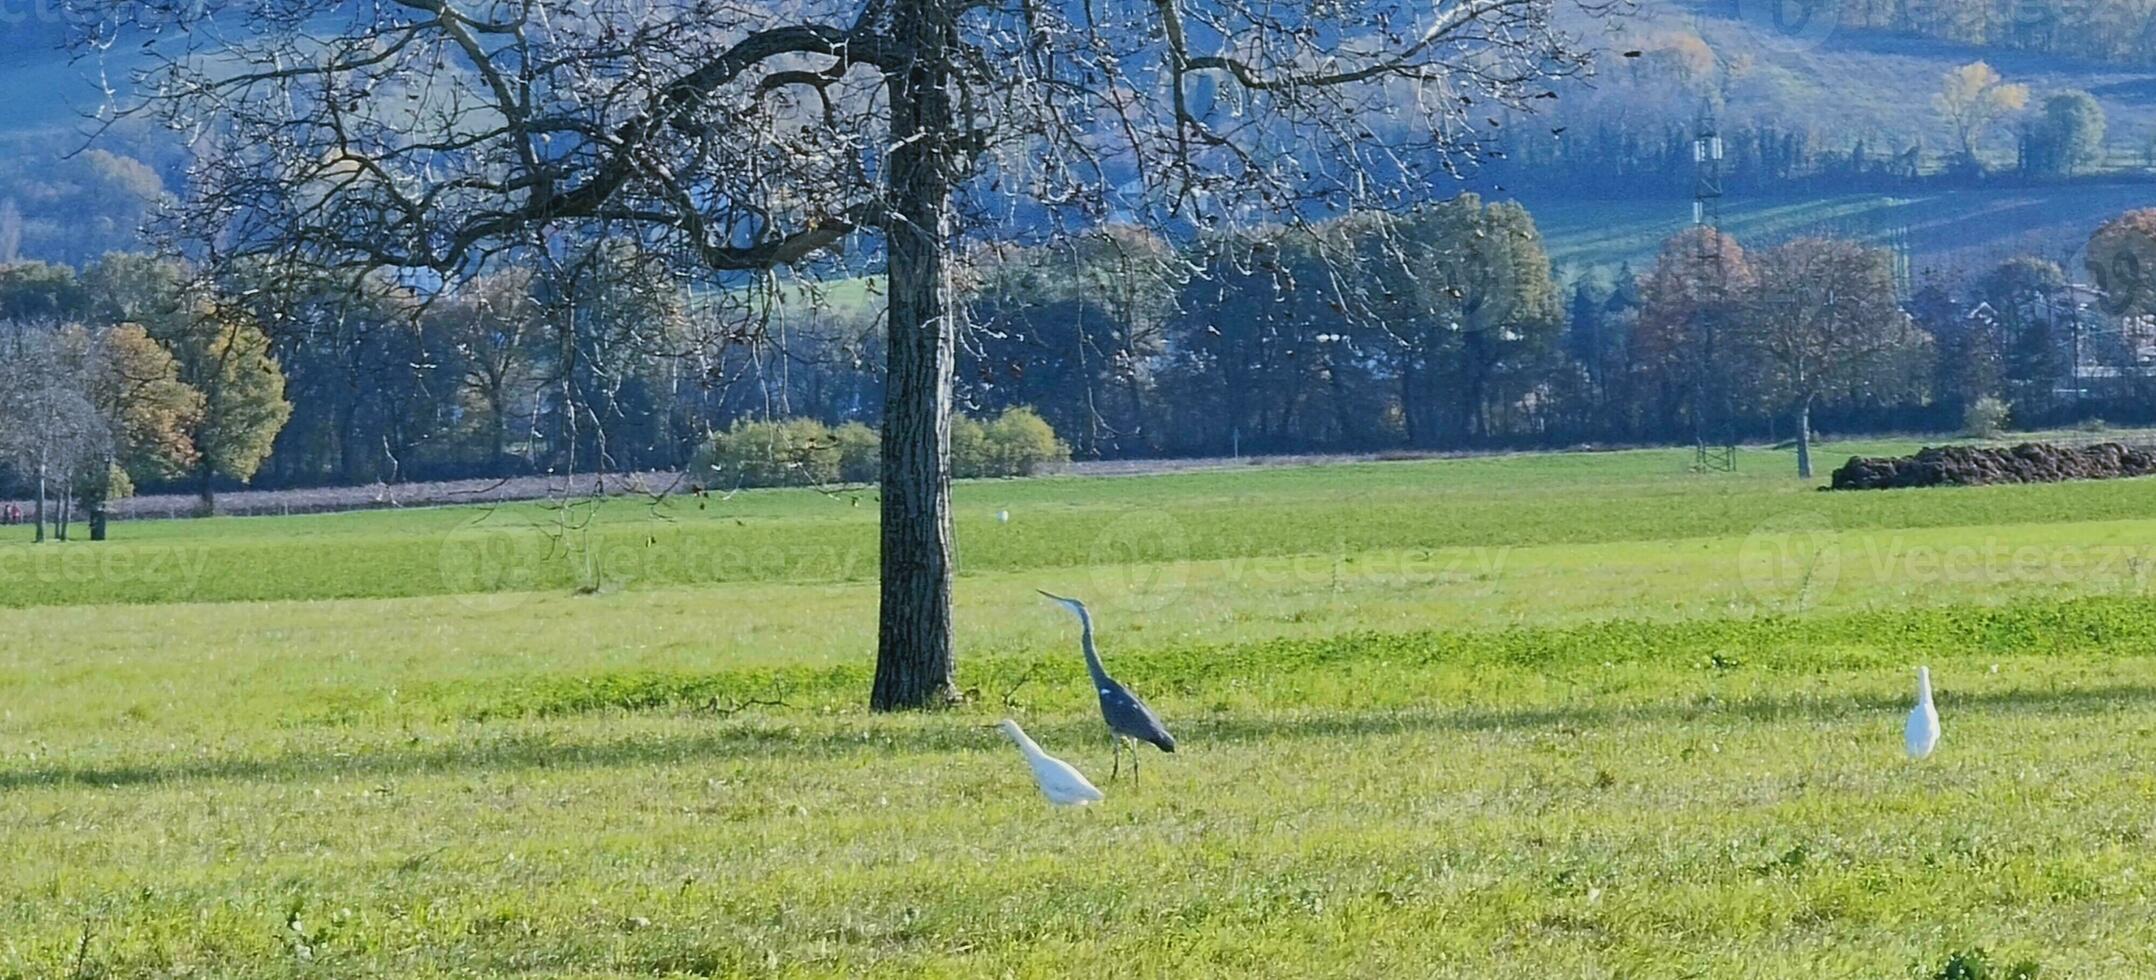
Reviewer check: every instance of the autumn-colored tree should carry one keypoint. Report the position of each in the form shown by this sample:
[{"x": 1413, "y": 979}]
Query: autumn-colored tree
[
  {"x": 1973, "y": 98},
  {"x": 1824, "y": 321},
  {"x": 1682, "y": 56},
  {"x": 218, "y": 350},
  {"x": 1685, "y": 342},
  {"x": 225, "y": 358},
  {"x": 148, "y": 412},
  {"x": 154, "y": 412}
]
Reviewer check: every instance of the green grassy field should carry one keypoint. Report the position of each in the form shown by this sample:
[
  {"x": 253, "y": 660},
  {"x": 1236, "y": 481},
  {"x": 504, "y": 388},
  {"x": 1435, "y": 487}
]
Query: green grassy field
[{"x": 1533, "y": 716}]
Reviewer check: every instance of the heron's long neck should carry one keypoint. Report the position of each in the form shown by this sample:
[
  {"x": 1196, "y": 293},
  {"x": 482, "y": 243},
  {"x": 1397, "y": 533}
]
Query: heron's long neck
[
  {"x": 1923, "y": 688},
  {"x": 1026, "y": 745},
  {"x": 1092, "y": 656}
]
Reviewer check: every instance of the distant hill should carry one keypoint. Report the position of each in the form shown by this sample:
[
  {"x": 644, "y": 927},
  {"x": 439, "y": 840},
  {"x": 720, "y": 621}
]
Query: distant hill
[
  {"x": 1834, "y": 88},
  {"x": 48, "y": 92},
  {"x": 1947, "y": 230},
  {"x": 1878, "y": 86}
]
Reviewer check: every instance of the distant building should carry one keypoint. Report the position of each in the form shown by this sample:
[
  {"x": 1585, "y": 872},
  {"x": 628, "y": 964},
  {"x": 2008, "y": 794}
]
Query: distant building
[{"x": 2099, "y": 354}]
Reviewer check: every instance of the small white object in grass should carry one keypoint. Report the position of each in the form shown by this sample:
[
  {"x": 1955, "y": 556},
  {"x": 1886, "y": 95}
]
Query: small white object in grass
[
  {"x": 1922, "y": 733},
  {"x": 1061, "y": 783},
  {"x": 1003, "y": 517}
]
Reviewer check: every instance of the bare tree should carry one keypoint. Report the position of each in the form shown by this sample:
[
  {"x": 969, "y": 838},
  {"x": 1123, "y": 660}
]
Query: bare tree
[
  {"x": 489, "y": 325},
  {"x": 1826, "y": 323},
  {"x": 755, "y": 138},
  {"x": 50, "y": 429}
]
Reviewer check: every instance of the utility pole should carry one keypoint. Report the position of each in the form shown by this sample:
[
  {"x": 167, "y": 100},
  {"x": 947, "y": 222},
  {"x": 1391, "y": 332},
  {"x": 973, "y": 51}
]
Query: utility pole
[{"x": 1707, "y": 214}]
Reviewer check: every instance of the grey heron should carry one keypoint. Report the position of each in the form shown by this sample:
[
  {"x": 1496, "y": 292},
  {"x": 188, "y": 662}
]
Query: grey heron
[
  {"x": 1127, "y": 716},
  {"x": 1922, "y": 733},
  {"x": 1059, "y": 781}
]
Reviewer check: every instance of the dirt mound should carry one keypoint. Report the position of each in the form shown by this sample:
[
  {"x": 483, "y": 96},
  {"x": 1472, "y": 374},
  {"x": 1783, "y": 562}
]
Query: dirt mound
[{"x": 1969, "y": 466}]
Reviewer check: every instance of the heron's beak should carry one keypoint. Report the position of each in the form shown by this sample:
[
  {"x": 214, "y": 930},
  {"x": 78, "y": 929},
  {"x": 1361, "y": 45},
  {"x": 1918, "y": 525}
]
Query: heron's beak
[{"x": 1051, "y": 595}]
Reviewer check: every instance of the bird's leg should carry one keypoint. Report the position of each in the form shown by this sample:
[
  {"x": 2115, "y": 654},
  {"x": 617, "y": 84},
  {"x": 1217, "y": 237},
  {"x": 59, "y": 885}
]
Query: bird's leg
[
  {"x": 1115, "y": 745},
  {"x": 1133, "y": 746}
]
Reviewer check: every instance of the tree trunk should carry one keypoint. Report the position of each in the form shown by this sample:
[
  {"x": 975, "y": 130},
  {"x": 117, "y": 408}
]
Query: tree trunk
[
  {"x": 347, "y": 448},
  {"x": 1144, "y": 446},
  {"x": 913, "y": 650},
  {"x": 1410, "y": 392},
  {"x": 203, "y": 488},
  {"x": 41, "y": 502},
  {"x": 498, "y": 408},
  {"x": 1804, "y": 439},
  {"x": 1343, "y": 415}
]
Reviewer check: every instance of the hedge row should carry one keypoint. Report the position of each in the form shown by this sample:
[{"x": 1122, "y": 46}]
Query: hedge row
[{"x": 806, "y": 453}]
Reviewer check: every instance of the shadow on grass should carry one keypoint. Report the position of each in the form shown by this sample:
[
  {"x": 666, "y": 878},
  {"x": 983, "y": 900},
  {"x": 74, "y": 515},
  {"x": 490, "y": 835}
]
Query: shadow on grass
[{"x": 770, "y": 739}]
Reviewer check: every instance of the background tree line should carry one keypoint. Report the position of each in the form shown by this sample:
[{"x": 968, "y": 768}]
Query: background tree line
[
  {"x": 2119, "y": 31},
  {"x": 1442, "y": 328},
  {"x": 1977, "y": 123}
]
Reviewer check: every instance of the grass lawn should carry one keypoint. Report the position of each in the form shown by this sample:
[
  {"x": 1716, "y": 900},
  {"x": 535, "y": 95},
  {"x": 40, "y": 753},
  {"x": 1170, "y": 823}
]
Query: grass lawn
[{"x": 1533, "y": 716}]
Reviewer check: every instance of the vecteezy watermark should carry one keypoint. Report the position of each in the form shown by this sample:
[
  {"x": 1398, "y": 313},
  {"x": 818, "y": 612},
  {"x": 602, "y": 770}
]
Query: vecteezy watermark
[
  {"x": 2085, "y": 568},
  {"x": 1144, "y": 561},
  {"x": 2123, "y": 277},
  {"x": 115, "y": 571},
  {"x": 496, "y": 561},
  {"x": 1142, "y": 557},
  {"x": 1790, "y": 562},
  {"x": 1794, "y": 562},
  {"x": 1342, "y": 572},
  {"x": 1789, "y": 25},
  {"x": 501, "y": 559}
]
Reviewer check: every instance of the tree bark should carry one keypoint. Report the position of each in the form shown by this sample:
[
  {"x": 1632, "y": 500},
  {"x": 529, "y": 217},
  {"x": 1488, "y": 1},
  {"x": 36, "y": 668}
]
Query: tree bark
[
  {"x": 1804, "y": 439},
  {"x": 204, "y": 473},
  {"x": 1410, "y": 401},
  {"x": 498, "y": 408},
  {"x": 1350, "y": 433},
  {"x": 40, "y": 502},
  {"x": 914, "y": 651},
  {"x": 1144, "y": 443}
]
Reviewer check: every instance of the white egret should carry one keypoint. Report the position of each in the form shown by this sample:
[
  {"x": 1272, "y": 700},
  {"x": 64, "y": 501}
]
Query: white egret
[
  {"x": 1922, "y": 734},
  {"x": 1003, "y": 517},
  {"x": 1060, "y": 782}
]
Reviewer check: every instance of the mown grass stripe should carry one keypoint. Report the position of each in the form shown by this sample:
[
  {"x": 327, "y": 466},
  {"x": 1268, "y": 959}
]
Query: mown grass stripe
[{"x": 2120, "y": 626}]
